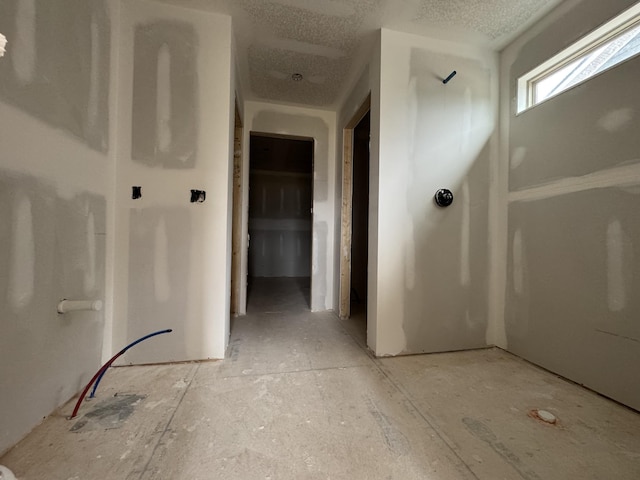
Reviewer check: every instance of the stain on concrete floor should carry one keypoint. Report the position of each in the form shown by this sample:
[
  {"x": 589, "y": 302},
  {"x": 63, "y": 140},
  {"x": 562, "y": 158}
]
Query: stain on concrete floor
[{"x": 109, "y": 413}]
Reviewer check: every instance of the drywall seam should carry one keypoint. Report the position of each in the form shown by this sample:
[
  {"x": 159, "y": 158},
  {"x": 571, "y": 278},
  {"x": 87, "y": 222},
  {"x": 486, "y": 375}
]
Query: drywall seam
[
  {"x": 621, "y": 176},
  {"x": 43, "y": 158}
]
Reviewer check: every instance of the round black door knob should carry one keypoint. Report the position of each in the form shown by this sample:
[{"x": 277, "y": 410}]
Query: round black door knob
[{"x": 444, "y": 197}]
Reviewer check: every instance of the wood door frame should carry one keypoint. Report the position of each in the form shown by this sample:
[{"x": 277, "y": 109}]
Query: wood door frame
[
  {"x": 236, "y": 226},
  {"x": 346, "y": 232}
]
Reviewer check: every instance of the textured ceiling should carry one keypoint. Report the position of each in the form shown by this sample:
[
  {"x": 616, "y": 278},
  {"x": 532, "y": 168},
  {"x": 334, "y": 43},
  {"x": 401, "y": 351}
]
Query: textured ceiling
[{"x": 323, "y": 39}]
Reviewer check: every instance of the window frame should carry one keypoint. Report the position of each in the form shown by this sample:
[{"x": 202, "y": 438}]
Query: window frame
[{"x": 617, "y": 26}]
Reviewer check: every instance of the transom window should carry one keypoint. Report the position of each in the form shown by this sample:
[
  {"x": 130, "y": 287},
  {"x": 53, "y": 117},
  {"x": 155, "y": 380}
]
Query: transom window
[{"x": 614, "y": 42}]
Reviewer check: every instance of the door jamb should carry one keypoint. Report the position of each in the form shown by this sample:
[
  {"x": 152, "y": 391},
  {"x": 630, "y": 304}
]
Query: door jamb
[{"x": 344, "y": 308}]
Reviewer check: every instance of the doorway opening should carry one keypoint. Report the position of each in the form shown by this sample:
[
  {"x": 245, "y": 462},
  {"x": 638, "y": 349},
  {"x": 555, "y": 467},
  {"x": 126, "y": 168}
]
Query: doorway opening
[
  {"x": 360, "y": 218},
  {"x": 354, "y": 259},
  {"x": 280, "y": 223}
]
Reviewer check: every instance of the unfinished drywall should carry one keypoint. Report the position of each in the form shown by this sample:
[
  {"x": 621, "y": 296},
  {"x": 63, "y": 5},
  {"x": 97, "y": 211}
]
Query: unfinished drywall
[
  {"x": 173, "y": 264},
  {"x": 574, "y": 194},
  {"x": 572, "y": 274},
  {"x": 320, "y": 126},
  {"x": 55, "y": 191},
  {"x": 432, "y": 269},
  {"x": 609, "y": 118},
  {"x": 158, "y": 273},
  {"x": 52, "y": 248},
  {"x": 57, "y": 65},
  {"x": 165, "y": 95}
]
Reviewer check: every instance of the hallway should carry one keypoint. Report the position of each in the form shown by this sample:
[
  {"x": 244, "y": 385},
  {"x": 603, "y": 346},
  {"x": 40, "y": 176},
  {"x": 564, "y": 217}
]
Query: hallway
[{"x": 298, "y": 397}]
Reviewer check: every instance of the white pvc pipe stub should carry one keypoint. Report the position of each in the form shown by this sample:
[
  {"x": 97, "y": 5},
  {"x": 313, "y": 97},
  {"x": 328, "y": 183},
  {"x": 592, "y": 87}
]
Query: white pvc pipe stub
[
  {"x": 6, "y": 474},
  {"x": 75, "y": 305}
]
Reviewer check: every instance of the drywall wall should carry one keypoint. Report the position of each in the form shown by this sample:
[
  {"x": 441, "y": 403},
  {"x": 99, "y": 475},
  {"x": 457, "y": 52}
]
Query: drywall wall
[
  {"x": 574, "y": 180},
  {"x": 57, "y": 66},
  {"x": 320, "y": 125},
  {"x": 175, "y": 133},
  {"x": 55, "y": 180},
  {"x": 432, "y": 268}
]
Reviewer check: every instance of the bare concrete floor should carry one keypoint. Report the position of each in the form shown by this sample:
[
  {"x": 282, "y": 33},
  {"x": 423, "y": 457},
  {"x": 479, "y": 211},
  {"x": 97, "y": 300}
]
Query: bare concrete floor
[{"x": 300, "y": 398}]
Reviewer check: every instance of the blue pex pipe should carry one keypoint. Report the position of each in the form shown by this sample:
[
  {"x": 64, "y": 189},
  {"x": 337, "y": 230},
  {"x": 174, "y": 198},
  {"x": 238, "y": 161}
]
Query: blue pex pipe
[
  {"x": 133, "y": 344},
  {"x": 100, "y": 373}
]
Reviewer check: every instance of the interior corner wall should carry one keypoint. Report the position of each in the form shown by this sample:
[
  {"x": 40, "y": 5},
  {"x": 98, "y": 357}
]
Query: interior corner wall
[
  {"x": 56, "y": 172},
  {"x": 321, "y": 126},
  {"x": 175, "y": 134},
  {"x": 573, "y": 268},
  {"x": 432, "y": 269}
]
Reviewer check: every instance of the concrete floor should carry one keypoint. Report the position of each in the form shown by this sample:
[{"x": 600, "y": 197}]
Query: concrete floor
[{"x": 299, "y": 397}]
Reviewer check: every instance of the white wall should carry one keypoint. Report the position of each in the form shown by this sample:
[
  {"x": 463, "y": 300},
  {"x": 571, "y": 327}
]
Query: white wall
[
  {"x": 56, "y": 174},
  {"x": 431, "y": 269},
  {"x": 321, "y": 126},
  {"x": 173, "y": 256},
  {"x": 573, "y": 201}
]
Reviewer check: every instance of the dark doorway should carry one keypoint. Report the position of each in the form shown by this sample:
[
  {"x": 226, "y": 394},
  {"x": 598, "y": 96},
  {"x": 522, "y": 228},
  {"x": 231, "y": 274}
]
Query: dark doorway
[
  {"x": 280, "y": 221},
  {"x": 360, "y": 217}
]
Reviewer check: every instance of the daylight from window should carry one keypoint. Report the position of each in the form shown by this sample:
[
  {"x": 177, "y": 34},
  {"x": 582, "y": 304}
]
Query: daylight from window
[
  {"x": 604, "y": 57},
  {"x": 613, "y": 43}
]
